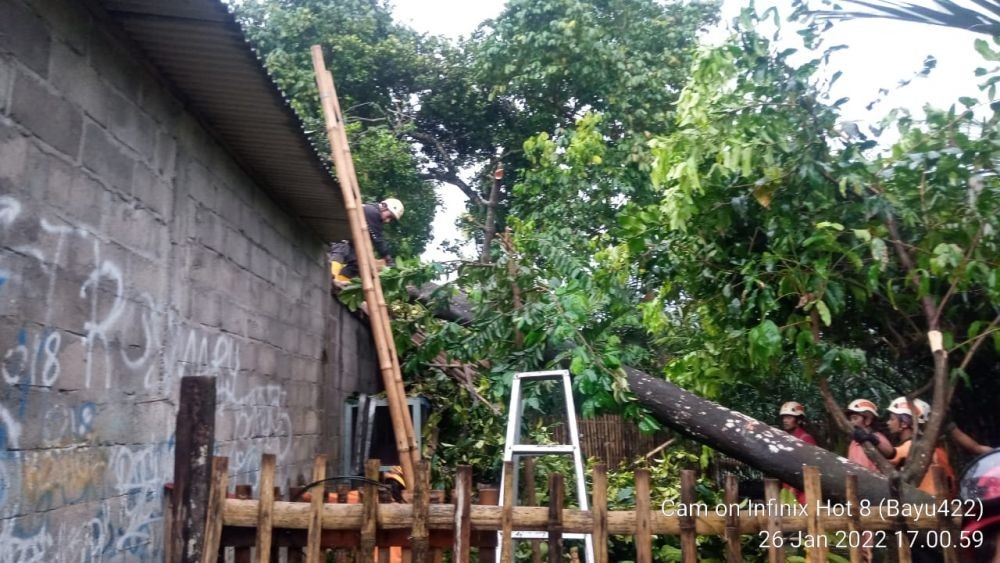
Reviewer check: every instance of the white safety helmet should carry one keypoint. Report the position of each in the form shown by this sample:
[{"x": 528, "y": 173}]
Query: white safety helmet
[
  {"x": 899, "y": 405},
  {"x": 863, "y": 405},
  {"x": 792, "y": 408},
  {"x": 394, "y": 206}
]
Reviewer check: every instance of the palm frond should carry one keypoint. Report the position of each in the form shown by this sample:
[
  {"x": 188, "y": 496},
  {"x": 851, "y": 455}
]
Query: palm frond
[{"x": 945, "y": 13}]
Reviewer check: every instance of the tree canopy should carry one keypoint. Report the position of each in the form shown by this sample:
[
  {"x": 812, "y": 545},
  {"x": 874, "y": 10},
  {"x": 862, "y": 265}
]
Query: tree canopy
[{"x": 697, "y": 212}]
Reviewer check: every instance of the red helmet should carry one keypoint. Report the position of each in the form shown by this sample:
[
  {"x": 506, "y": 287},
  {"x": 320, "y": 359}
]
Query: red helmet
[{"x": 980, "y": 482}]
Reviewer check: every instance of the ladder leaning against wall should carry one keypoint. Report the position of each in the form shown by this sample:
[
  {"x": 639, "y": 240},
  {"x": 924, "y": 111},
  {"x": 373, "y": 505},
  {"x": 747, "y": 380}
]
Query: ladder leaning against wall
[{"x": 385, "y": 346}]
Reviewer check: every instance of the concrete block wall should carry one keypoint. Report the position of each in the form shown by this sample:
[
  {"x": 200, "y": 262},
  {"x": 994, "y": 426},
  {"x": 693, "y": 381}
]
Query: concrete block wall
[{"x": 134, "y": 251}]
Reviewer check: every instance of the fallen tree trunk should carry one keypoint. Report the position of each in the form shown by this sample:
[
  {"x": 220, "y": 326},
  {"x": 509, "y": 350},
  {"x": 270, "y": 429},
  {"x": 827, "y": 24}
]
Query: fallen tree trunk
[{"x": 759, "y": 445}]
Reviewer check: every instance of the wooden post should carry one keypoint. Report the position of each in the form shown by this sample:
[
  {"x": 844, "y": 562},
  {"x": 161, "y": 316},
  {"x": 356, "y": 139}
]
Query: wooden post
[
  {"x": 855, "y": 535},
  {"x": 265, "y": 509},
  {"x": 556, "y": 495},
  {"x": 195, "y": 442},
  {"x": 772, "y": 496},
  {"x": 420, "y": 533},
  {"x": 216, "y": 503},
  {"x": 689, "y": 545},
  {"x": 531, "y": 499},
  {"x": 734, "y": 551},
  {"x": 643, "y": 520},
  {"x": 242, "y": 554},
  {"x": 600, "y": 501},
  {"x": 313, "y": 551},
  {"x": 507, "y": 514},
  {"x": 488, "y": 496},
  {"x": 385, "y": 346},
  {"x": 949, "y": 551},
  {"x": 814, "y": 525},
  {"x": 463, "y": 508},
  {"x": 369, "y": 522}
]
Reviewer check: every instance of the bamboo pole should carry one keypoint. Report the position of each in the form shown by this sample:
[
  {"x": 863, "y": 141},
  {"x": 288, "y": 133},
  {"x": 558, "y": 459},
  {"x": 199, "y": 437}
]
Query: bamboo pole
[
  {"x": 385, "y": 347},
  {"x": 811, "y": 478},
  {"x": 643, "y": 535},
  {"x": 265, "y": 508},
  {"x": 381, "y": 309},
  {"x": 734, "y": 551},
  {"x": 600, "y": 502},
  {"x": 772, "y": 494}
]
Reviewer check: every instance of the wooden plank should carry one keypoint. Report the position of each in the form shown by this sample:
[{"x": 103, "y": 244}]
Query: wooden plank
[
  {"x": 313, "y": 549},
  {"x": 600, "y": 504},
  {"x": 216, "y": 504},
  {"x": 772, "y": 496},
  {"x": 531, "y": 499},
  {"x": 265, "y": 508},
  {"x": 557, "y": 493},
  {"x": 854, "y": 534},
  {"x": 734, "y": 551},
  {"x": 369, "y": 521},
  {"x": 689, "y": 545},
  {"x": 814, "y": 524},
  {"x": 461, "y": 552},
  {"x": 643, "y": 525},
  {"x": 195, "y": 442},
  {"x": 421, "y": 509},
  {"x": 507, "y": 515}
]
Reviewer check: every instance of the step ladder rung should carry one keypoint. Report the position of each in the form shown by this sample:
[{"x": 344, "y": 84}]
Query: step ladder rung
[
  {"x": 543, "y": 449},
  {"x": 540, "y": 375}
]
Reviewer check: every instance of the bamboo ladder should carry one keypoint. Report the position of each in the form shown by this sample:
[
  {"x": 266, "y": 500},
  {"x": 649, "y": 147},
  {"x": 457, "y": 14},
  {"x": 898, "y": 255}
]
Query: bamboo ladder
[{"x": 385, "y": 346}]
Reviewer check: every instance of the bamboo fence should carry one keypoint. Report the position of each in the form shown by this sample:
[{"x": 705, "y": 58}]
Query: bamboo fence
[{"x": 355, "y": 526}]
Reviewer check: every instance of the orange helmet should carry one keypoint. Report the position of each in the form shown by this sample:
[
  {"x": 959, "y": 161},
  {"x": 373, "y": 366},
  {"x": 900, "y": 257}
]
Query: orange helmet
[{"x": 792, "y": 408}]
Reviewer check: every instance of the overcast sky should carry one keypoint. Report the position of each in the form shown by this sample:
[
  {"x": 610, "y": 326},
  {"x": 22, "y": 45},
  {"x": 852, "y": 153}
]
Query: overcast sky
[{"x": 880, "y": 54}]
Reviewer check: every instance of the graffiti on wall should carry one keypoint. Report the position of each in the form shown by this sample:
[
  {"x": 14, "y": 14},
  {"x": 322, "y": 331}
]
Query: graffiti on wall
[{"x": 78, "y": 324}]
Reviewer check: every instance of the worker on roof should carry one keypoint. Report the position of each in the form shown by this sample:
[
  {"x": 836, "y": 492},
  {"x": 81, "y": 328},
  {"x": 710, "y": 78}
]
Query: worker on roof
[
  {"x": 344, "y": 261},
  {"x": 793, "y": 418},
  {"x": 904, "y": 414},
  {"x": 862, "y": 414}
]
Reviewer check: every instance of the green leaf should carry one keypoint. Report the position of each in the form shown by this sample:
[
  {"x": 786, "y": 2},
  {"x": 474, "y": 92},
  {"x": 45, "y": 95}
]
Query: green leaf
[
  {"x": 824, "y": 312},
  {"x": 765, "y": 342},
  {"x": 829, "y": 225}
]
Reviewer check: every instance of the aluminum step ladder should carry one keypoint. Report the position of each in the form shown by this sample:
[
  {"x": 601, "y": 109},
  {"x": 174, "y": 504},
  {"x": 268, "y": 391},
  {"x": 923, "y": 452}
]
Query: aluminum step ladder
[{"x": 514, "y": 450}]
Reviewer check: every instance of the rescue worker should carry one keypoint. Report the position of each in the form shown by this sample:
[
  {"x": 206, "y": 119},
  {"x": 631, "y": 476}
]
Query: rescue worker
[
  {"x": 862, "y": 413},
  {"x": 344, "y": 261},
  {"x": 980, "y": 486},
  {"x": 397, "y": 484},
  {"x": 793, "y": 417},
  {"x": 901, "y": 424},
  {"x": 394, "y": 479}
]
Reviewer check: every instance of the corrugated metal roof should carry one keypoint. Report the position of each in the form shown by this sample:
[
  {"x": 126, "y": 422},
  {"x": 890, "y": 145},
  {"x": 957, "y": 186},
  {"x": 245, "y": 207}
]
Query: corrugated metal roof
[{"x": 199, "y": 48}]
